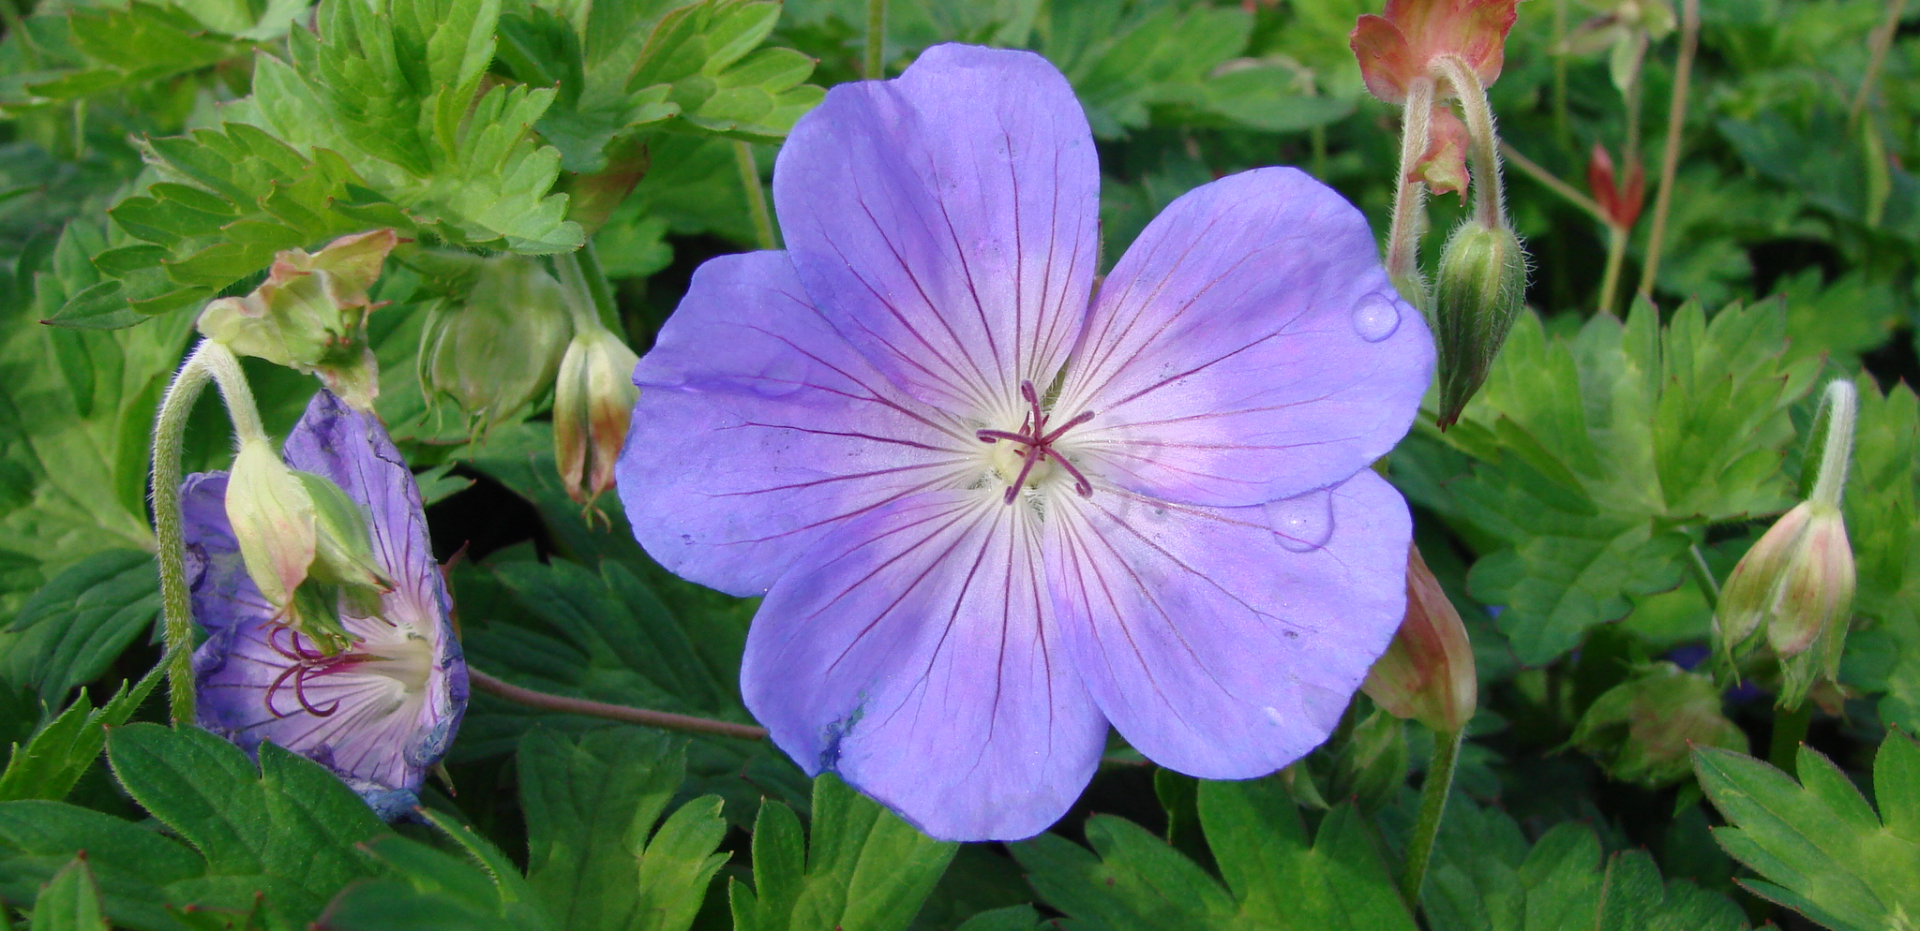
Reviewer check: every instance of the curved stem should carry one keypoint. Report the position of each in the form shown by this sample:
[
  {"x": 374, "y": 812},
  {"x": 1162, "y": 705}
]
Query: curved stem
[
  {"x": 875, "y": 63},
  {"x": 1670, "y": 158},
  {"x": 1409, "y": 197},
  {"x": 176, "y": 609},
  {"x": 209, "y": 361},
  {"x": 664, "y": 720},
  {"x": 1433, "y": 804},
  {"x": 1489, "y": 191},
  {"x": 756, "y": 197},
  {"x": 1534, "y": 170},
  {"x": 1837, "y": 451},
  {"x": 1703, "y": 577}
]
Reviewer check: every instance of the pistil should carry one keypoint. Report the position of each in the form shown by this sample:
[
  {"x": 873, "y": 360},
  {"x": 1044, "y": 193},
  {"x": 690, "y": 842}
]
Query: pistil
[{"x": 1033, "y": 434}]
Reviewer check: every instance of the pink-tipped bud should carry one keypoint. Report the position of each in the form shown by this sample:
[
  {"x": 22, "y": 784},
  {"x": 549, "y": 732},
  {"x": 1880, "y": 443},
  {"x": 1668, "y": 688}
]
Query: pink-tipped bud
[
  {"x": 273, "y": 521},
  {"x": 1643, "y": 730},
  {"x": 592, "y": 405},
  {"x": 1427, "y": 673},
  {"x": 311, "y": 314},
  {"x": 1797, "y": 582}
]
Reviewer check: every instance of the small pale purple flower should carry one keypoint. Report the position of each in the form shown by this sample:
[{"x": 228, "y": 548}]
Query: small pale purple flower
[
  {"x": 382, "y": 711},
  {"x": 991, "y": 516}
]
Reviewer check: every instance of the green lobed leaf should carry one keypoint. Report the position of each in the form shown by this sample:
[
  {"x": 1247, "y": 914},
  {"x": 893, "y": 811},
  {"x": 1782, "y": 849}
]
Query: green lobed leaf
[
  {"x": 863, "y": 869},
  {"x": 1818, "y": 846},
  {"x": 1598, "y": 458},
  {"x": 70, "y": 901},
  {"x": 1272, "y": 874},
  {"x": 591, "y": 806},
  {"x": 48, "y": 765},
  {"x": 69, "y": 631},
  {"x": 393, "y": 91}
]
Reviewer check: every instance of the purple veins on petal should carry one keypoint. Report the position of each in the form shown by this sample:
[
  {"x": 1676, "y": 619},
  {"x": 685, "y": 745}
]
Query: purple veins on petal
[
  {"x": 382, "y": 711},
  {"x": 992, "y": 516}
]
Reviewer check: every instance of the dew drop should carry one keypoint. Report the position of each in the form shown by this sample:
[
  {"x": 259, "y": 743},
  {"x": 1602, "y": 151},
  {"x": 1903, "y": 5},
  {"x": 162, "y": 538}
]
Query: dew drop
[
  {"x": 1304, "y": 523},
  {"x": 1375, "y": 318},
  {"x": 1273, "y": 714}
]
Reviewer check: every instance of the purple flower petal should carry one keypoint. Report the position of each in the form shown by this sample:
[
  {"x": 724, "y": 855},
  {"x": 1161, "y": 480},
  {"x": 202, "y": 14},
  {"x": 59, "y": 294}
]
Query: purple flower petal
[
  {"x": 947, "y": 222},
  {"x": 384, "y": 710},
  {"x": 913, "y": 652},
  {"x": 351, "y": 449},
  {"x": 759, "y": 429},
  {"x": 1215, "y": 646},
  {"x": 1247, "y": 348},
  {"x": 223, "y": 593}
]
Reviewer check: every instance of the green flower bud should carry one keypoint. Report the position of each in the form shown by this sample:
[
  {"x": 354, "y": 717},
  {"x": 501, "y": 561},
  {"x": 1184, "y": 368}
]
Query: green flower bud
[
  {"x": 311, "y": 314},
  {"x": 592, "y": 405},
  {"x": 1482, "y": 285},
  {"x": 1428, "y": 672},
  {"x": 1644, "y": 729},
  {"x": 273, "y": 521},
  {"x": 496, "y": 354},
  {"x": 343, "y": 546}
]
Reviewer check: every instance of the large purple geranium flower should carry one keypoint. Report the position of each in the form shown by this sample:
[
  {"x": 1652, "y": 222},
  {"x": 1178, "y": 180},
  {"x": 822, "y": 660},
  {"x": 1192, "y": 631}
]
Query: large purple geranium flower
[
  {"x": 380, "y": 712},
  {"x": 990, "y": 517}
]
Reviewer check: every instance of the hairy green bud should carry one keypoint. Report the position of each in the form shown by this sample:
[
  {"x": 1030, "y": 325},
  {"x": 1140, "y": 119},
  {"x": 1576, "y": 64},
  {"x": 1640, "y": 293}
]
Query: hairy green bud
[{"x": 1482, "y": 285}]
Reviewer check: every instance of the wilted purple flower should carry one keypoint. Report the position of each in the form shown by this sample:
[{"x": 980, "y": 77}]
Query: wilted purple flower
[
  {"x": 989, "y": 517},
  {"x": 380, "y": 712}
]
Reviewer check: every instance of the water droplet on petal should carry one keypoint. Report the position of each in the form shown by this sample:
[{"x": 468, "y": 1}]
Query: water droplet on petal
[
  {"x": 1304, "y": 523},
  {"x": 1375, "y": 317},
  {"x": 1273, "y": 714}
]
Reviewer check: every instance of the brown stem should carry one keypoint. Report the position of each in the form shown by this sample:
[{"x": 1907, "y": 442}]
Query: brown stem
[
  {"x": 1877, "y": 57},
  {"x": 1534, "y": 170},
  {"x": 1670, "y": 159},
  {"x": 665, "y": 720}
]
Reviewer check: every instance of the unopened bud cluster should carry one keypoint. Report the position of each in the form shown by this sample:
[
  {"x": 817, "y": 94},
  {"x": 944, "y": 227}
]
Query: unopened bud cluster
[
  {"x": 1794, "y": 588},
  {"x": 1422, "y": 54}
]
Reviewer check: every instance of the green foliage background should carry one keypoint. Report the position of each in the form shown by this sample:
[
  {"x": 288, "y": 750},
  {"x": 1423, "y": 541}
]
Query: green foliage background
[{"x": 156, "y": 153}]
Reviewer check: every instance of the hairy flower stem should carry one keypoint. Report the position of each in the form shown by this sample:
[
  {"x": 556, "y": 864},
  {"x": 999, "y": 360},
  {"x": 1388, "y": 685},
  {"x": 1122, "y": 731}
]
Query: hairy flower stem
[
  {"x": 763, "y": 235},
  {"x": 1489, "y": 191},
  {"x": 875, "y": 63},
  {"x": 1433, "y": 804},
  {"x": 1409, "y": 198},
  {"x": 1670, "y": 158},
  {"x": 664, "y": 720},
  {"x": 210, "y": 360}
]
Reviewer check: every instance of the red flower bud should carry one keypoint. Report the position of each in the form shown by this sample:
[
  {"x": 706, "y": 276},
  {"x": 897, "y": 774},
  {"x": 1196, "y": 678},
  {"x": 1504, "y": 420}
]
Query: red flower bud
[
  {"x": 1620, "y": 204},
  {"x": 1427, "y": 672}
]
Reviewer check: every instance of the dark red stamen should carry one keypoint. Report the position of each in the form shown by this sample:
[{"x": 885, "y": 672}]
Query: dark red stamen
[
  {"x": 1034, "y": 435},
  {"x": 307, "y": 663}
]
